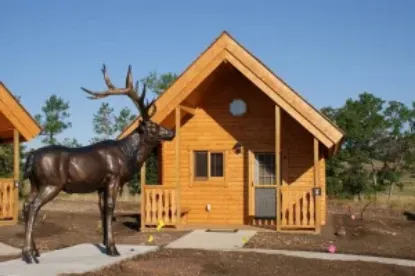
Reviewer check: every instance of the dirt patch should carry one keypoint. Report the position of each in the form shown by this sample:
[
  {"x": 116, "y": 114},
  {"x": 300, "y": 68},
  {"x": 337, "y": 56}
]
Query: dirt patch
[
  {"x": 196, "y": 262},
  {"x": 8, "y": 257},
  {"x": 387, "y": 237},
  {"x": 55, "y": 229}
]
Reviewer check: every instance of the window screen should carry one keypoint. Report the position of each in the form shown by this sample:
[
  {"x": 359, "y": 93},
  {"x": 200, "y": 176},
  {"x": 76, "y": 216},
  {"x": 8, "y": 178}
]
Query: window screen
[{"x": 266, "y": 168}]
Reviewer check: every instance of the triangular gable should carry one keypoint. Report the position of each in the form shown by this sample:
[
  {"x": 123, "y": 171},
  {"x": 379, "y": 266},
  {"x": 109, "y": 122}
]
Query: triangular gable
[
  {"x": 226, "y": 49},
  {"x": 17, "y": 115}
]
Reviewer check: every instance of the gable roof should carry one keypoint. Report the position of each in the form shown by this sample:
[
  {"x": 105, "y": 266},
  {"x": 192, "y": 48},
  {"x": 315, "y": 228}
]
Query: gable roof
[
  {"x": 17, "y": 115},
  {"x": 226, "y": 49}
]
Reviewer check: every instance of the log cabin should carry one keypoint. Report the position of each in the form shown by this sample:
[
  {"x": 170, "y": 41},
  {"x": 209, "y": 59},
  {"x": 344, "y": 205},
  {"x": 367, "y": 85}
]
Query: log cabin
[
  {"x": 16, "y": 126},
  {"x": 248, "y": 150}
]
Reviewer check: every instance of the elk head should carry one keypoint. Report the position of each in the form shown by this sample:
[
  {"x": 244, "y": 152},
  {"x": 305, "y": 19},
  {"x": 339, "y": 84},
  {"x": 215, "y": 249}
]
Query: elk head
[{"x": 151, "y": 131}]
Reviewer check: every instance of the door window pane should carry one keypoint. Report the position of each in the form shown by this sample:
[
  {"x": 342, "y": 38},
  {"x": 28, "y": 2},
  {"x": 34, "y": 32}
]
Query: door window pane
[{"x": 266, "y": 168}]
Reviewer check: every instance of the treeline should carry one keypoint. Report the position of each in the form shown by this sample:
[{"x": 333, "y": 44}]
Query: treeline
[
  {"x": 377, "y": 155},
  {"x": 379, "y": 151}
]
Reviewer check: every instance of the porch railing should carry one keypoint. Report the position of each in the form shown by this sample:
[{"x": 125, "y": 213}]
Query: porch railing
[
  {"x": 160, "y": 203},
  {"x": 7, "y": 199},
  {"x": 297, "y": 207}
]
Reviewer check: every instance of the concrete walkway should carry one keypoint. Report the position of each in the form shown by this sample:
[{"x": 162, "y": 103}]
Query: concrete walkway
[
  {"x": 76, "y": 259},
  {"x": 6, "y": 250},
  {"x": 328, "y": 256},
  {"x": 200, "y": 239}
]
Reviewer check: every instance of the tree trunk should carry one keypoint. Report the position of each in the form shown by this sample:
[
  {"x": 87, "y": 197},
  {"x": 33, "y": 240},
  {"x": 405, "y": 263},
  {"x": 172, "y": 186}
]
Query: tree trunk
[
  {"x": 375, "y": 184},
  {"x": 390, "y": 192}
]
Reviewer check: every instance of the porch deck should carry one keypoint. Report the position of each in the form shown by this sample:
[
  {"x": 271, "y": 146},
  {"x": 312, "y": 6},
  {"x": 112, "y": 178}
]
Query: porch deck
[{"x": 160, "y": 203}]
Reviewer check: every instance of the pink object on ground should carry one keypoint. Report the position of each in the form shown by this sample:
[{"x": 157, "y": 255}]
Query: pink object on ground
[{"x": 332, "y": 248}]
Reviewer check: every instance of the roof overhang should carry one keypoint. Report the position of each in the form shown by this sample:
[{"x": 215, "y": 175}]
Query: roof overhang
[{"x": 17, "y": 115}]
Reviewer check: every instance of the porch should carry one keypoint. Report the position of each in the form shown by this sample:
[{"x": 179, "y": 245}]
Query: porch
[
  {"x": 159, "y": 203},
  {"x": 9, "y": 192}
]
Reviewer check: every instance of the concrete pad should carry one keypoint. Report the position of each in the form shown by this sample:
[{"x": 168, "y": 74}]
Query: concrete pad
[
  {"x": 6, "y": 250},
  {"x": 76, "y": 259},
  {"x": 200, "y": 239}
]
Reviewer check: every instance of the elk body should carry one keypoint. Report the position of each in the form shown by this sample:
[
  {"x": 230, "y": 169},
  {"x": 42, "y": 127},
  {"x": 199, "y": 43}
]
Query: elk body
[{"x": 103, "y": 167}]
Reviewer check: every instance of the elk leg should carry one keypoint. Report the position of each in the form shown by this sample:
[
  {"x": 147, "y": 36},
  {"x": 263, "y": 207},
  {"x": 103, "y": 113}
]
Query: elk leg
[
  {"x": 101, "y": 204},
  {"x": 45, "y": 195},
  {"x": 26, "y": 208},
  {"x": 110, "y": 198}
]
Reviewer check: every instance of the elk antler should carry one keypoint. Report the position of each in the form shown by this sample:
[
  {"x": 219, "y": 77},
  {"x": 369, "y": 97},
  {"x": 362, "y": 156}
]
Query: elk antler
[{"x": 129, "y": 91}]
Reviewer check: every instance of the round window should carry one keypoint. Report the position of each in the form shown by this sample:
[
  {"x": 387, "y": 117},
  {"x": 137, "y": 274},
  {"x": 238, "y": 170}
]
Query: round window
[{"x": 237, "y": 107}]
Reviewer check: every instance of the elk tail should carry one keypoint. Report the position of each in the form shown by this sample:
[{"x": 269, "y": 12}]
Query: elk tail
[{"x": 28, "y": 169}]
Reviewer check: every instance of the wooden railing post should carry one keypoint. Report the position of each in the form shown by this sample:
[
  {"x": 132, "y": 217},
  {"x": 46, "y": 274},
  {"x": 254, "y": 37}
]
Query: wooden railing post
[
  {"x": 278, "y": 164},
  {"x": 317, "y": 185},
  {"x": 143, "y": 195},
  {"x": 16, "y": 173},
  {"x": 177, "y": 115}
]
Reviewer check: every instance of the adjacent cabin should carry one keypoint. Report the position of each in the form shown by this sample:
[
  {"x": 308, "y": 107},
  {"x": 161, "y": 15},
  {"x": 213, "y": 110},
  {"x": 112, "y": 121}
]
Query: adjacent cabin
[
  {"x": 16, "y": 126},
  {"x": 248, "y": 149}
]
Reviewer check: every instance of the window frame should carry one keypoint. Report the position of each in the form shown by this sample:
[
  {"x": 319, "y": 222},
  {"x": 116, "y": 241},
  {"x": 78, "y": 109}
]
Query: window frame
[{"x": 209, "y": 178}]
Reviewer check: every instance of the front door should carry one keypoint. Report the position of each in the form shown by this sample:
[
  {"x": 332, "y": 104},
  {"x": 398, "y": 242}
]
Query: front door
[{"x": 265, "y": 185}]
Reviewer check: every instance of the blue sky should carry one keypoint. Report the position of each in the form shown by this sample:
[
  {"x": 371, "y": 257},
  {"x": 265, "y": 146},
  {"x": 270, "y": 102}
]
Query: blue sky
[{"x": 327, "y": 50}]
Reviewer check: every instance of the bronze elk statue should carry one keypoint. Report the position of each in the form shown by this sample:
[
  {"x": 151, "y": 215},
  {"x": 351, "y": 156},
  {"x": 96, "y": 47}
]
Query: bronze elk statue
[{"x": 102, "y": 167}]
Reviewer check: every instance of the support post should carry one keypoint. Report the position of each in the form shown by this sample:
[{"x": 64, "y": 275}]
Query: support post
[
  {"x": 16, "y": 173},
  {"x": 278, "y": 164},
  {"x": 143, "y": 195},
  {"x": 317, "y": 185},
  {"x": 177, "y": 117}
]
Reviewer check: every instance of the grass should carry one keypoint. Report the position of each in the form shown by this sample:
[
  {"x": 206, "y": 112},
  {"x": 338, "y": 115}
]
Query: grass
[
  {"x": 125, "y": 197},
  {"x": 396, "y": 203}
]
